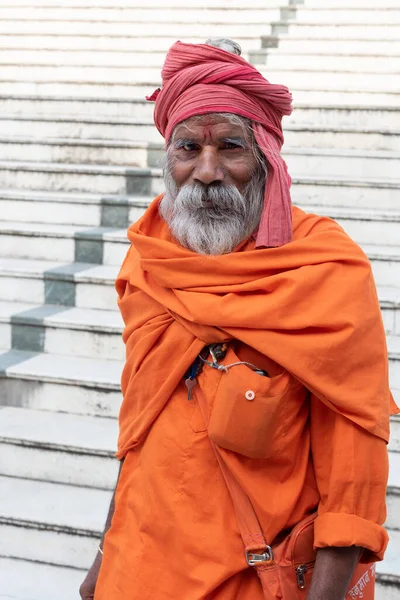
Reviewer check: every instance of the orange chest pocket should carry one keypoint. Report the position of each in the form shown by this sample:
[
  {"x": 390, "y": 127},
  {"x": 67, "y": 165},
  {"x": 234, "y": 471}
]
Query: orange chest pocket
[{"x": 251, "y": 413}]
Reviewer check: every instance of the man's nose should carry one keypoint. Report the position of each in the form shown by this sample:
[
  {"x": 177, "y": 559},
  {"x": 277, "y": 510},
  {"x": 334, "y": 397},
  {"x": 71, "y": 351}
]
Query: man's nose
[{"x": 208, "y": 168}]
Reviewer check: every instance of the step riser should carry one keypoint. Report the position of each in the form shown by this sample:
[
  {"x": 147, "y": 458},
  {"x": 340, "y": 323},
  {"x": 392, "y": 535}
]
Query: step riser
[
  {"x": 394, "y": 443},
  {"x": 394, "y": 370},
  {"x": 381, "y": 64},
  {"x": 59, "y": 397},
  {"x": 49, "y": 546},
  {"x": 100, "y": 90},
  {"x": 329, "y": 117},
  {"x": 393, "y": 511},
  {"x": 29, "y": 462},
  {"x": 334, "y": 46},
  {"x": 144, "y": 16},
  {"x": 61, "y": 249},
  {"x": 352, "y": 118},
  {"x": 345, "y": 196},
  {"x": 82, "y": 182},
  {"x": 81, "y": 154},
  {"x": 330, "y": 80},
  {"x": 346, "y": 31},
  {"x": 81, "y": 295},
  {"x": 345, "y": 16},
  {"x": 365, "y": 232},
  {"x": 173, "y": 30},
  {"x": 144, "y": 132},
  {"x": 348, "y": 166},
  {"x": 385, "y": 591},
  {"x": 91, "y": 215},
  {"x": 67, "y": 342},
  {"x": 357, "y": 166}
]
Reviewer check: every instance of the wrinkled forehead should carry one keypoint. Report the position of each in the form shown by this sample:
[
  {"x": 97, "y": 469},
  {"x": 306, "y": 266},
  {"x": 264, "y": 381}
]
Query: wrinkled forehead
[{"x": 211, "y": 126}]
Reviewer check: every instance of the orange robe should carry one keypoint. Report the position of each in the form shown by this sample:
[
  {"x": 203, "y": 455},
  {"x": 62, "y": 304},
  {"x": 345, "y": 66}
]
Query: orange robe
[{"x": 308, "y": 314}]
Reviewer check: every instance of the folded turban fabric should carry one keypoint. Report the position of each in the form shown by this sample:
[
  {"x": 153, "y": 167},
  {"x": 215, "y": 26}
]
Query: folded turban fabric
[{"x": 198, "y": 79}]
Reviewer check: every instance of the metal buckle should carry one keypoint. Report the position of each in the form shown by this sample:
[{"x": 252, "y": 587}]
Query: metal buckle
[{"x": 255, "y": 559}]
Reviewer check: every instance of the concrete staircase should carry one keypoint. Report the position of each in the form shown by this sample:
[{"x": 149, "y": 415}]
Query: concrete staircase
[{"x": 79, "y": 161}]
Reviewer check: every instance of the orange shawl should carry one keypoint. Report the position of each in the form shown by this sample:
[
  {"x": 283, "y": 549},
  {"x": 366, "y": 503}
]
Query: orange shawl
[{"x": 311, "y": 306}]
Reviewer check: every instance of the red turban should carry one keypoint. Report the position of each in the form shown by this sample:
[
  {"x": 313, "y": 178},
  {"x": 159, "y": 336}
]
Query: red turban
[{"x": 199, "y": 79}]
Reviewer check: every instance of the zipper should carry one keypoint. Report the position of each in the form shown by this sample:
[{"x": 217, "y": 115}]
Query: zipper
[{"x": 300, "y": 576}]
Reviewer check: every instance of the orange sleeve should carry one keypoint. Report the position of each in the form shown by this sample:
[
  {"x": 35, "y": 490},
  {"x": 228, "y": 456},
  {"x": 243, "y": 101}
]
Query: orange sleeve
[{"x": 351, "y": 469}]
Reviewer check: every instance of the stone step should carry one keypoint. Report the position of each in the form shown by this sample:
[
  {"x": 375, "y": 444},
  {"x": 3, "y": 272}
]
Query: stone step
[
  {"x": 324, "y": 114},
  {"x": 345, "y": 94},
  {"x": 358, "y": 163},
  {"x": 26, "y": 580},
  {"x": 331, "y": 3},
  {"x": 124, "y": 28},
  {"x": 61, "y": 330},
  {"x": 58, "y": 447},
  {"x": 344, "y": 192},
  {"x": 91, "y": 210},
  {"x": 56, "y": 383},
  {"x": 332, "y": 46},
  {"x": 145, "y": 15},
  {"x": 117, "y": 42},
  {"x": 345, "y": 15},
  {"x": 140, "y": 129},
  {"x": 278, "y": 59},
  {"x": 60, "y": 525},
  {"x": 108, "y": 179},
  {"x": 362, "y": 224},
  {"x": 394, "y": 364},
  {"x": 273, "y": 58},
  {"x": 204, "y": 4},
  {"x": 66, "y": 243},
  {"x": 348, "y": 30},
  {"x": 302, "y": 79},
  {"x": 83, "y": 285},
  {"x": 87, "y": 151}
]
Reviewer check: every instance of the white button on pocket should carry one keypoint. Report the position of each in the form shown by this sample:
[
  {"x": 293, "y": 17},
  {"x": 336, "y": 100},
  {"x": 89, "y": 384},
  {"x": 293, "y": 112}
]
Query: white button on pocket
[{"x": 250, "y": 395}]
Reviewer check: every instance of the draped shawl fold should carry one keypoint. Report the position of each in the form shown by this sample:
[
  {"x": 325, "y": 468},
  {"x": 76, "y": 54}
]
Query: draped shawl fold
[
  {"x": 198, "y": 79},
  {"x": 311, "y": 306}
]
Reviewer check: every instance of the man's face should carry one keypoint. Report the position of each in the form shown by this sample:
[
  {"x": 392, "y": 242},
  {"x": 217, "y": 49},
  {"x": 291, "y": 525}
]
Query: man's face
[
  {"x": 211, "y": 151},
  {"x": 214, "y": 185}
]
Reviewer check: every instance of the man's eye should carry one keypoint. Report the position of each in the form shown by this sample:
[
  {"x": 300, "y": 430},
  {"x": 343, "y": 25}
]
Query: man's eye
[
  {"x": 232, "y": 146},
  {"x": 188, "y": 147}
]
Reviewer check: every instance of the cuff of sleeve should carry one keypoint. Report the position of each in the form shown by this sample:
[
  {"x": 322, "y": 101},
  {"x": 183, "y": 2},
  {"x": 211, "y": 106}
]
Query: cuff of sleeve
[{"x": 339, "y": 529}]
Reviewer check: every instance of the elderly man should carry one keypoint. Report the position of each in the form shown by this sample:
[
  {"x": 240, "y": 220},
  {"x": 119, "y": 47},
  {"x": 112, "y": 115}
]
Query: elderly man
[{"x": 256, "y": 400}]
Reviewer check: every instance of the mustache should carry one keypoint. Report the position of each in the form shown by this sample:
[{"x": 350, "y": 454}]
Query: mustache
[{"x": 216, "y": 198}]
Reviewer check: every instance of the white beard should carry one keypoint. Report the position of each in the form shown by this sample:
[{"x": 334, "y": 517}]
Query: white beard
[{"x": 212, "y": 219}]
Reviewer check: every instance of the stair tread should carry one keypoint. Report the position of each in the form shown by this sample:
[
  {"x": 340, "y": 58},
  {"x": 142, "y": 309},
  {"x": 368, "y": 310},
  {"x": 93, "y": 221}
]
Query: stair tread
[
  {"x": 54, "y": 505},
  {"x": 58, "y": 368},
  {"x": 25, "y": 580},
  {"x": 78, "y": 272},
  {"x": 58, "y": 230},
  {"x": 109, "y": 321},
  {"x": 80, "y": 433}
]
